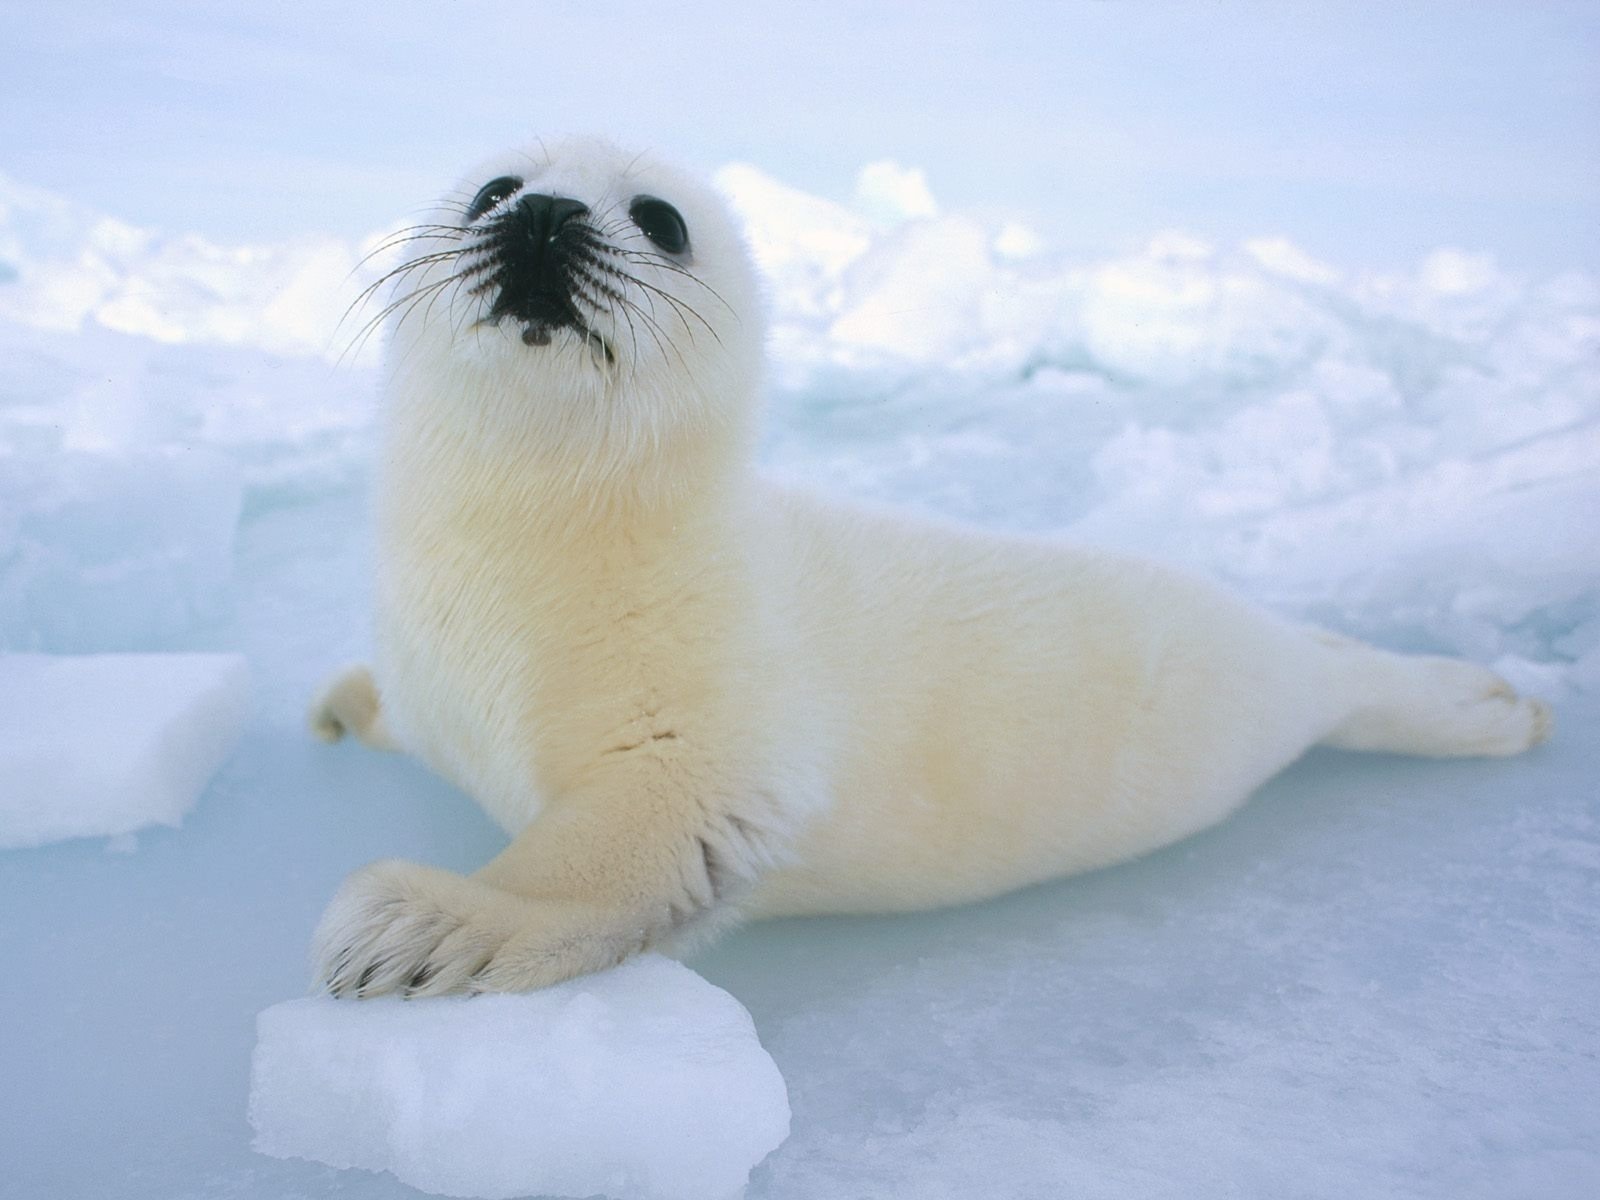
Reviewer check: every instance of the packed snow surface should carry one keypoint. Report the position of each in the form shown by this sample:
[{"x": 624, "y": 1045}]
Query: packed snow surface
[
  {"x": 1378, "y": 979},
  {"x": 107, "y": 744},
  {"x": 641, "y": 1082}
]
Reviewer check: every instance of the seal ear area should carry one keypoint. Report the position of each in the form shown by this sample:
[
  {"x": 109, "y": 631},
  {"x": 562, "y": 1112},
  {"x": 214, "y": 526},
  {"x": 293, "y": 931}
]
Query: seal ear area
[
  {"x": 491, "y": 194},
  {"x": 661, "y": 223}
]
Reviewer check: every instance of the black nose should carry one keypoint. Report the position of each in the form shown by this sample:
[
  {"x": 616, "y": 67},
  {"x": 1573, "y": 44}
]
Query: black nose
[
  {"x": 530, "y": 248},
  {"x": 541, "y": 216}
]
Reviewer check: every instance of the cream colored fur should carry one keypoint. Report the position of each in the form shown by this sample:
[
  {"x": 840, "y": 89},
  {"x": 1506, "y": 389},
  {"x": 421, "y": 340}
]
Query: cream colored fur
[{"x": 692, "y": 697}]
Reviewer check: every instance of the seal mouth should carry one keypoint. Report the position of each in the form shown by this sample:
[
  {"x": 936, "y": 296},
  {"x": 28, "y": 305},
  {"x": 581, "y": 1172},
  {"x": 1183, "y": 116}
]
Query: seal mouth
[{"x": 542, "y": 334}]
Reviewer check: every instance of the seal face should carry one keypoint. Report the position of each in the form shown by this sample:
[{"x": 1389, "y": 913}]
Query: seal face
[
  {"x": 693, "y": 696},
  {"x": 548, "y": 267},
  {"x": 593, "y": 306}
]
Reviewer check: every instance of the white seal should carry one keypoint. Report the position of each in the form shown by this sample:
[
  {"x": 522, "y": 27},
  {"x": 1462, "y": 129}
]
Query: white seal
[{"x": 691, "y": 696}]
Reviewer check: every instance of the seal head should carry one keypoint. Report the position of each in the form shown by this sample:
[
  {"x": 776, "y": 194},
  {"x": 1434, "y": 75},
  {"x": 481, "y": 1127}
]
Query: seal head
[{"x": 572, "y": 294}]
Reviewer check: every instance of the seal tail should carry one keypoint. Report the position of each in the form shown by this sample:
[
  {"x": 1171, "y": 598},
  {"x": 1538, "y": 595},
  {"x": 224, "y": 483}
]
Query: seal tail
[{"x": 1434, "y": 707}]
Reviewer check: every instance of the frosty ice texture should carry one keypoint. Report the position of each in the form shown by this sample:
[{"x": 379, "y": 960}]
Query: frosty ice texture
[
  {"x": 106, "y": 744},
  {"x": 642, "y": 1082},
  {"x": 113, "y": 551}
]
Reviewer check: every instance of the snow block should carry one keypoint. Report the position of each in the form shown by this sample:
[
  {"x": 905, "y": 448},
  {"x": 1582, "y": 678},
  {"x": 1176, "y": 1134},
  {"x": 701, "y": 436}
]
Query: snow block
[
  {"x": 106, "y": 744},
  {"x": 644, "y": 1082}
]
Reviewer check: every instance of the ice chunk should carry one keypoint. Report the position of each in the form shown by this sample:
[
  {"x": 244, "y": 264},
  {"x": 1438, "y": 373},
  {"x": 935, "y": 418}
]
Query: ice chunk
[
  {"x": 104, "y": 744},
  {"x": 643, "y": 1081}
]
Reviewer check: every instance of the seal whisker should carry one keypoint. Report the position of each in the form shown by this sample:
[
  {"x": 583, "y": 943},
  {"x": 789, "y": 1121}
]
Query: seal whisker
[
  {"x": 636, "y": 257},
  {"x": 628, "y": 308},
  {"x": 423, "y": 261},
  {"x": 650, "y": 300},
  {"x": 367, "y": 330},
  {"x": 404, "y": 268},
  {"x": 680, "y": 306},
  {"x": 590, "y": 334},
  {"x": 359, "y": 338},
  {"x": 427, "y": 228},
  {"x": 583, "y": 272},
  {"x": 438, "y": 289},
  {"x": 612, "y": 299},
  {"x": 427, "y": 313},
  {"x": 652, "y": 328},
  {"x": 445, "y": 201},
  {"x": 413, "y": 233},
  {"x": 633, "y": 335}
]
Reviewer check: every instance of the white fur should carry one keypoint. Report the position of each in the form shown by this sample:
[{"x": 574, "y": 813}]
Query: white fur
[{"x": 692, "y": 696}]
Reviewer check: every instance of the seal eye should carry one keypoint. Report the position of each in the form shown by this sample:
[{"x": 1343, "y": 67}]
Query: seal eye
[
  {"x": 661, "y": 223},
  {"x": 491, "y": 194}
]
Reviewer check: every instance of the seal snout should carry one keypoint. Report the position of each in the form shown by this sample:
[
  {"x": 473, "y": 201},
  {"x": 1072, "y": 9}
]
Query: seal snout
[{"x": 537, "y": 246}]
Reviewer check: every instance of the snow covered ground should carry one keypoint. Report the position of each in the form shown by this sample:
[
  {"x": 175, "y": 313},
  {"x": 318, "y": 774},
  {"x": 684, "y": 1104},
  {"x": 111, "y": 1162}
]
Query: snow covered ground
[{"x": 1379, "y": 979}]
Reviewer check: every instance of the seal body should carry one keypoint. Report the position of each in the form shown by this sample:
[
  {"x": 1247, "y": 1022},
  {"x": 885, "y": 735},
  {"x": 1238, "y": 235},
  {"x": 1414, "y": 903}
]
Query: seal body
[{"x": 692, "y": 696}]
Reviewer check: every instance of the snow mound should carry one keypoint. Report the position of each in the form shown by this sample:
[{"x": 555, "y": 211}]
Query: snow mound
[
  {"x": 641, "y": 1082},
  {"x": 103, "y": 745},
  {"x": 70, "y": 266}
]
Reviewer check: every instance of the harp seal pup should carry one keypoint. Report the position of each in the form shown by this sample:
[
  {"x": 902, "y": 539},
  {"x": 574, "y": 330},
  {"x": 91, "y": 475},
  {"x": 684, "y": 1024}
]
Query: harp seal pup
[{"x": 691, "y": 696}]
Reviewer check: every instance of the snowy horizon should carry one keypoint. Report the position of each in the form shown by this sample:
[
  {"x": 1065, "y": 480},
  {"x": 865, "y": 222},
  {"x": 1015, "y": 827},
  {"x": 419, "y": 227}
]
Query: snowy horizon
[{"x": 69, "y": 264}]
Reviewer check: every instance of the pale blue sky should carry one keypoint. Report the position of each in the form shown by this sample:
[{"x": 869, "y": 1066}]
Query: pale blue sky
[{"x": 1369, "y": 132}]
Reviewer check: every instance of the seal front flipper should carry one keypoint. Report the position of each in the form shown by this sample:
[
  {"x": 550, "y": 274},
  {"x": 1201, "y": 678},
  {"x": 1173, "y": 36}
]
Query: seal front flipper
[
  {"x": 349, "y": 703},
  {"x": 597, "y": 878}
]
